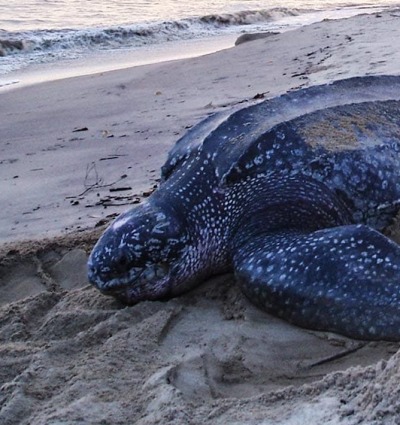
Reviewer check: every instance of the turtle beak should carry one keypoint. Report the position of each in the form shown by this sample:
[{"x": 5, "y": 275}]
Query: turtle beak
[{"x": 114, "y": 281}]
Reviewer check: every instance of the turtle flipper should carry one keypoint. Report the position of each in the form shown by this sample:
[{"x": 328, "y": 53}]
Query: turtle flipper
[{"x": 344, "y": 279}]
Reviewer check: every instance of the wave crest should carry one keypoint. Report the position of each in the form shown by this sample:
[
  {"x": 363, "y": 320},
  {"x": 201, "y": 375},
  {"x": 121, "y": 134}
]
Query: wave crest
[
  {"x": 10, "y": 46},
  {"x": 248, "y": 17},
  {"x": 136, "y": 35}
]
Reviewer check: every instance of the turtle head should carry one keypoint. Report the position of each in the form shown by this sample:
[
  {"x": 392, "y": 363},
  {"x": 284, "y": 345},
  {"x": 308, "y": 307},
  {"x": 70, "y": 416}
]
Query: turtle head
[{"x": 138, "y": 257}]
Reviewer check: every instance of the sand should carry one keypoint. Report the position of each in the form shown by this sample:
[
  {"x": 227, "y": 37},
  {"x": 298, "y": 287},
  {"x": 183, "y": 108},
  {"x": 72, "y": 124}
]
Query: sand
[{"x": 72, "y": 356}]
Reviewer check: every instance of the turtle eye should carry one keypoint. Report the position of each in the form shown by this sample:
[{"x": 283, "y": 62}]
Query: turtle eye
[{"x": 122, "y": 261}]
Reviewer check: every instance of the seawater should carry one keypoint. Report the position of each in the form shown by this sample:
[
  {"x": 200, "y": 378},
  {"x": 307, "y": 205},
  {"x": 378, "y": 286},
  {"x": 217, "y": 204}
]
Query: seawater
[
  {"x": 45, "y": 31},
  {"x": 21, "y": 15}
]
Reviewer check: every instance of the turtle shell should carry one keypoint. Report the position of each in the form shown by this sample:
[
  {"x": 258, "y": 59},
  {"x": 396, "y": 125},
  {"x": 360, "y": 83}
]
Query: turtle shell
[{"x": 227, "y": 137}]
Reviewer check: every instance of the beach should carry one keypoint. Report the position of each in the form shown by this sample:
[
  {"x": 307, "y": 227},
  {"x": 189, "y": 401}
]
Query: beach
[{"x": 76, "y": 152}]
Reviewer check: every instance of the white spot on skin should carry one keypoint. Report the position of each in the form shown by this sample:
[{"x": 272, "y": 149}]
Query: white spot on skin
[
  {"x": 160, "y": 216},
  {"x": 120, "y": 222}
]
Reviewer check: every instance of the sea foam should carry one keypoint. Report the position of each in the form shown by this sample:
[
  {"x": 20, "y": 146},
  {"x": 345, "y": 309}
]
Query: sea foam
[{"x": 136, "y": 35}]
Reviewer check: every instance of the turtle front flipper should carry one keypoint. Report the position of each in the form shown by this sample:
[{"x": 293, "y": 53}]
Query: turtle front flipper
[{"x": 344, "y": 279}]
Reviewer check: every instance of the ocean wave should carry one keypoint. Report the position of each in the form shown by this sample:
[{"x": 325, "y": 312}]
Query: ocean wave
[
  {"x": 12, "y": 43},
  {"x": 10, "y": 46},
  {"x": 248, "y": 17}
]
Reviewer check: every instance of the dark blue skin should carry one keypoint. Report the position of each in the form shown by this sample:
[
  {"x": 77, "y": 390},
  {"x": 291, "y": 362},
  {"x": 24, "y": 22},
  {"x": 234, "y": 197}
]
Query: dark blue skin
[{"x": 290, "y": 195}]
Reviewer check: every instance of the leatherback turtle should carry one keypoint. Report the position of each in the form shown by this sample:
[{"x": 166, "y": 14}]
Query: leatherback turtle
[{"x": 290, "y": 194}]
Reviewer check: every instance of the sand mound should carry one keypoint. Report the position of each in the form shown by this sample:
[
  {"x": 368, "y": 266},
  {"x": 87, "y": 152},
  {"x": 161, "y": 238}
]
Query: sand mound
[{"x": 71, "y": 356}]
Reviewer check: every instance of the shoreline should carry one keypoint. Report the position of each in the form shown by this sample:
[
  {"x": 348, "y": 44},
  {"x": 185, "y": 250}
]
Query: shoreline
[
  {"x": 113, "y": 60},
  {"x": 96, "y": 61}
]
